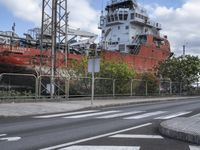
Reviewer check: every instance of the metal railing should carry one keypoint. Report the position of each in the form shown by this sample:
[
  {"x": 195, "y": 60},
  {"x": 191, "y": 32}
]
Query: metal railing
[{"x": 29, "y": 86}]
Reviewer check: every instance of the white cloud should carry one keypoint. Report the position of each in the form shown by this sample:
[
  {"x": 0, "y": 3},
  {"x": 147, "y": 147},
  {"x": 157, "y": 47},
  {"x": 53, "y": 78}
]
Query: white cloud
[
  {"x": 82, "y": 15},
  {"x": 29, "y": 10},
  {"x": 181, "y": 25}
]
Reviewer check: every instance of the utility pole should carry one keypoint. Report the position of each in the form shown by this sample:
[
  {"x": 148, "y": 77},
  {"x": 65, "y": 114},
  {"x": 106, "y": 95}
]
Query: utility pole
[{"x": 53, "y": 46}]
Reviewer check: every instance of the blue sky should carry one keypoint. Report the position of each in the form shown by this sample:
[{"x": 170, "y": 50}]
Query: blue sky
[
  {"x": 168, "y": 3},
  {"x": 179, "y": 18},
  {"x": 7, "y": 18}
]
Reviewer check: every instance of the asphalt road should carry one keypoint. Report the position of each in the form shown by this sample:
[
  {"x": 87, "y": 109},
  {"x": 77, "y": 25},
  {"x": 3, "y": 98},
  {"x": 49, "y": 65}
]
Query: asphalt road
[{"x": 133, "y": 127}]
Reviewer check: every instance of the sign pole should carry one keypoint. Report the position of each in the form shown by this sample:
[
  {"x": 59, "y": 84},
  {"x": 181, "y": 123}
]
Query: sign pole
[{"x": 93, "y": 70}]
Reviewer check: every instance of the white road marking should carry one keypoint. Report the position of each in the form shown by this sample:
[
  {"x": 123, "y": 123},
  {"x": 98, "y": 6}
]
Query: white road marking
[
  {"x": 194, "y": 147},
  {"x": 197, "y": 115},
  {"x": 10, "y": 139},
  {"x": 119, "y": 115},
  {"x": 91, "y": 114},
  {"x": 146, "y": 115},
  {"x": 65, "y": 114},
  {"x": 2, "y": 135},
  {"x": 102, "y": 148},
  {"x": 95, "y": 137},
  {"x": 132, "y": 136},
  {"x": 173, "y": 115}
]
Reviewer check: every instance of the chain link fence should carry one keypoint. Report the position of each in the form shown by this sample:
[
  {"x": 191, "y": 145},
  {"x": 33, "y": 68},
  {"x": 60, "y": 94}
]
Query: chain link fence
[{"x": 28, "y": 86}]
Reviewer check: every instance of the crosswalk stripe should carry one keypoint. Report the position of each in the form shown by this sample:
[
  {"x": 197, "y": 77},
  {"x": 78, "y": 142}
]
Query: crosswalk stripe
[
  {"x": 146, "y": 115},
  {"x": 119, "y": 115},
  {"x": 65, "y": 114},
  {"x": 2, "y": 135},
  {"x": 172, "y": 115},
  {"x": 197, "y": 115},
  {"x": 96, "y": 147},
  {"x": 132, "y": 136},
  {"x": 91, "y": 114}
]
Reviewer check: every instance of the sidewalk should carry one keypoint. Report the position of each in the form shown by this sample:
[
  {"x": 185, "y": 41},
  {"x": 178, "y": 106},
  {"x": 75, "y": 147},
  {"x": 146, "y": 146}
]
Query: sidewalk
[
  {"x": 27, "y": 109},
  {"x": 185, "y": 129}
]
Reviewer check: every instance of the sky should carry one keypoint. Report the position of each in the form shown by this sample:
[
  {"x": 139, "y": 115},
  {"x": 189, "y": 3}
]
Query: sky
[{"x": 180, "y": 19}]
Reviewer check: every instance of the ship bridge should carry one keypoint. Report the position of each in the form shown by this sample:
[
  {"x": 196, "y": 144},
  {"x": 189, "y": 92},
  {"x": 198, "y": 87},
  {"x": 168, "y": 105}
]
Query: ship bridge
[{"x": 116, "y": 4}]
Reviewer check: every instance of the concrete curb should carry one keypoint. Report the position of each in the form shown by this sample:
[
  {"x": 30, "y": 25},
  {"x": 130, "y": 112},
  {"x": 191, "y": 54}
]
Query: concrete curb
[{"x": 185, "y": 129}]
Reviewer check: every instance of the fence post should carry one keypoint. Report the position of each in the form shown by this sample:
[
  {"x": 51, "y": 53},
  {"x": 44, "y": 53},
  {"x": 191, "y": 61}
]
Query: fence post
[
  {"x": 181, "y": 88},
  {"x": 114, "y": 87},
  {"x": 170, "y": 83},
  {"x": 39, "y": 86},
  {"x": 67, "y": 89},
  {"x": 131, "y": 87},
  {"x": 36, "y": 88},
  {"x": 146, "y": 88},
  {"x": 159, "y": 87}
]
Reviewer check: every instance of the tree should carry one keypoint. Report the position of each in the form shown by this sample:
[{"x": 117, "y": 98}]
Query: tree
[
  {"x": 118, "y": 70},
  {"x": 180, "y": 69},
  {"x": 115, "y": 70},
  {"x": 152, "y": 83}
]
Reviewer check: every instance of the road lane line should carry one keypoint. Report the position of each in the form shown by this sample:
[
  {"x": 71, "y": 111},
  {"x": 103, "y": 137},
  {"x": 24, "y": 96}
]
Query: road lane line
[
  {"x": 119, "y": 115},
  {"x": 95, "y": 137},
  {"x": 2, "y": 135},
  {"x": 194, "y": 147},
  {"x": 65, "y": 114},
  {"x": 146, "y": 115},
  {"x": 172, "y": 115},
  {"x": 96, "y": 147},
  {"x": 135, "y": 136},
  {"x": 91, "y": 114}
]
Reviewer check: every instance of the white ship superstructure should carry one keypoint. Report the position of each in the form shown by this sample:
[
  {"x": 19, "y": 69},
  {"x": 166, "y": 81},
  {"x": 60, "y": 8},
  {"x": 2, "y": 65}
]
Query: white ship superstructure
[{"x": 125, "y": 26}]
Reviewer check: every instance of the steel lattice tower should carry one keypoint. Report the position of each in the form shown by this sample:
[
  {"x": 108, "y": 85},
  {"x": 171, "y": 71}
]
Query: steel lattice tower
[{"x": 54, "y": 29}]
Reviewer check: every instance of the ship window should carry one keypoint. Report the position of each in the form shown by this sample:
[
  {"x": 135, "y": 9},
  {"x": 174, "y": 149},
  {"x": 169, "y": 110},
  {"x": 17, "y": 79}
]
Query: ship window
[
  {"x": 120, "y": 17},
  {"x": 118, "y": 39},
  {"x": 118, "y": 27},
  {"x": 116, "y": 17},
  {"x": 108, "y": 18},
  {"x": 122, "y": 47},
  {"x": 127, "y": 27},
  {"x": 112, "y": 18},
  {"x": 132, "y": 16},
  {"x": 103, "y": 31},
  {"x": 125, "y": 16}
]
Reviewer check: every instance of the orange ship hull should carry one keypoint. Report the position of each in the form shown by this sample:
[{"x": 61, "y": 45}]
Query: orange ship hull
[{"x": 16, "y": 59}]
